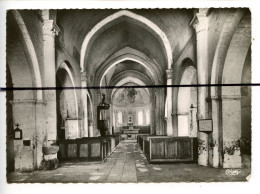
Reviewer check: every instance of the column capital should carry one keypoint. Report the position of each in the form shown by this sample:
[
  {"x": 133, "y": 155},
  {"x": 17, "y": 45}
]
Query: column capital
[
  {"x": 169, "y": 73},
  {"x": 50, "y": 28},
  {"x": 200, "y": 20}
]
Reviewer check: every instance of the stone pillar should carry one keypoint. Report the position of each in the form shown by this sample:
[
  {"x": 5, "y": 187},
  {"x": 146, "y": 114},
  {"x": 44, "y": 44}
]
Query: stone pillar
[
  {"x": 193, "y": 122},
  {"x": 157, "y": 116},
  {"x": 90, "y": 128},
  {"x": 50, "y": 30},
  {"x": 163, "y": 126},
  {"x": 200, "y": 23},
  {"x": 152, "y": 116},
  {"x": 40, "y": 130},
  {"x": 231, "y": 126},
  {"x": 175, "y": 123},
  {"x": 116, "y": 121},
  {"x": 169, "y": 131},
  {"x": 29, "y": 115},
  {"x": 84, "y": 104},
  {"x": 159, "y": 112},
  {"x": 108, "y": 113},
  {"x": 111, "y": 123},
  {"x": 214, "y": 144}
]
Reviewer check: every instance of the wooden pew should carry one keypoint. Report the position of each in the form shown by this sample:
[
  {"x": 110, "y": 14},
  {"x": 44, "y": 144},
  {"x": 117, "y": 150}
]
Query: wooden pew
[
  {"x": 87, "y": 148},
  {"x": 159, "y": 149}
]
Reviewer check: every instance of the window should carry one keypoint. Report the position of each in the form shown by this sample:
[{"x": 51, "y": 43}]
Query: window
[{"x": 140, "y": 118}]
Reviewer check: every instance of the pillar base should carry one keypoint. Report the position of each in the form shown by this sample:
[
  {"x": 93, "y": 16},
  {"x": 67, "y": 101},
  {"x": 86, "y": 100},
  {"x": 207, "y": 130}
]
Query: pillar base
[
  {"x": 232, "y": 161},
  {"x": 214, "y": 156},
  {"x": 203, "y": 155},
  {"x": 49, "y": 162},
  {"x": 23, "y": 160}
]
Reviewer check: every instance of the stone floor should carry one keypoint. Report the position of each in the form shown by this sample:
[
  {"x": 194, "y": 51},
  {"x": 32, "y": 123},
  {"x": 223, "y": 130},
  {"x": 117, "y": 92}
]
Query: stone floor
[{"x": 128, "y": 164}]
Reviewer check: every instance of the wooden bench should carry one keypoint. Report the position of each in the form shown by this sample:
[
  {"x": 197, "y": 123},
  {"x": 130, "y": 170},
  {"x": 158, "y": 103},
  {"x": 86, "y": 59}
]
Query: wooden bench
[{"x": 140, "y": 140}]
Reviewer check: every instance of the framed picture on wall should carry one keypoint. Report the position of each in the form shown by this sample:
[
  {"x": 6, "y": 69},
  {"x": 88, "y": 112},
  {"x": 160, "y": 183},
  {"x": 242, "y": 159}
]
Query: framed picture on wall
[{"x": 205, "y": 125}]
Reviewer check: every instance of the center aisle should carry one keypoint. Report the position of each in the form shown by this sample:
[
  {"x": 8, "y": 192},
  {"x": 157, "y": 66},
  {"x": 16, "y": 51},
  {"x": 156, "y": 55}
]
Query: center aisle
[{"x": 123, "y": 169}]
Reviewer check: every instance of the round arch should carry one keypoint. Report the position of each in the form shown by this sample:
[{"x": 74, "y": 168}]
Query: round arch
[
  {"x": 149, "y": 25},
  {"x": 131, "y": 73},
  {"x": 30, "y": 52},
  {"x": 226, "y": 35},
  {"x": 69, "y": 83},
  {"x": 127, "y": 80},
  {"x": 184, "y": 101},
  {"x": 132, "y": 55},
  {"x": 233, "y": 66},
  {"x": 186, "y": 62},
  {"x": 73, "y": 66}
]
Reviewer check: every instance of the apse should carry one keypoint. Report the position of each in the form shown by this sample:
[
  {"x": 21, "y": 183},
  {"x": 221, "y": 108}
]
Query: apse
[{"x": 131, "y": 106}]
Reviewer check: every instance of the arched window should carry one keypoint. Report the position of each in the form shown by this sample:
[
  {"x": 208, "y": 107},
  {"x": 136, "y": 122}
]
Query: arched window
[
  {"x": 140, "y": 118},
  {"x": 148, "y": 117},
  {"x": 120, "y": 119}
]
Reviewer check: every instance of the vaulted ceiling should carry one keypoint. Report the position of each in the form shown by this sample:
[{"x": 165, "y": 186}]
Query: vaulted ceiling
[{"x": 125, "y": 31}]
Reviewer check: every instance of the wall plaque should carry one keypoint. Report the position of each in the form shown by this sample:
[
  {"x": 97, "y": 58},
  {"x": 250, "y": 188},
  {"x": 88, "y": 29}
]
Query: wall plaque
[{"x": 205, "y": 125}]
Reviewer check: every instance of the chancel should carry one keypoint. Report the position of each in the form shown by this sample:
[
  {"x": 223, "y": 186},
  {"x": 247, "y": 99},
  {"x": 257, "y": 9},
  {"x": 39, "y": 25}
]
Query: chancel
[{"x": 142, "y": 95}]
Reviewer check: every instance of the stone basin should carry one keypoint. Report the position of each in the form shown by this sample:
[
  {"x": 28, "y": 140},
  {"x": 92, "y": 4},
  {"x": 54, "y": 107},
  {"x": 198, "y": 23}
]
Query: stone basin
[{"x": 48, "y": 150}]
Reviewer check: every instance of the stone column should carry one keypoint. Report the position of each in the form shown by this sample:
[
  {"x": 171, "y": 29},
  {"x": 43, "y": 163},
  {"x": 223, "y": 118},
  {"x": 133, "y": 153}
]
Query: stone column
[
  {"x": 84, "y": 100},
  {"x": 231, "y": 126},
  {"x": 50, "y": 30},
  {"x": 215, "y": 149},
  {"x": 200, "y": 23},
  {"x": 40, "y": 130},
  {"x": 152, "y": 116},
  {"x": 90, "y": 128},
  {"x": 169, "y": 131},
  {"x": 116, "y": 121},
  {"x": 175, "y": 123},
  {"x": 108, "y": 101},
  {"x": 29, "y": 115},
  {"x": 163, "y": 130},
  {"x": 111, "y": 123},
  {"x": 157, "y": 116}
]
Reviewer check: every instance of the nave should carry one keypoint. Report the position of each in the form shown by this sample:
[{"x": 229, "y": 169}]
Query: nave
[{"x": 117, "y": 75}]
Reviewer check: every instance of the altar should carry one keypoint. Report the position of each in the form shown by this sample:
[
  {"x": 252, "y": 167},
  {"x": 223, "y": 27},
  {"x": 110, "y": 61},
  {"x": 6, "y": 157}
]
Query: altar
[{"x": 130, "y": 133}]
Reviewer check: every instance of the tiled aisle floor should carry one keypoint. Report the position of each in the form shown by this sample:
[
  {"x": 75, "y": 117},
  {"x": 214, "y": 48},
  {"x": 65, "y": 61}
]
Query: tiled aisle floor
[{"x": 128, "y": 164}]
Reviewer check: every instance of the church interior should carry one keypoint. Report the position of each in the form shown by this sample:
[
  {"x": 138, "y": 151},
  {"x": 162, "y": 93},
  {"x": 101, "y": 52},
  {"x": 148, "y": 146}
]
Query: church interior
[{"x": 164, "y": 86}]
